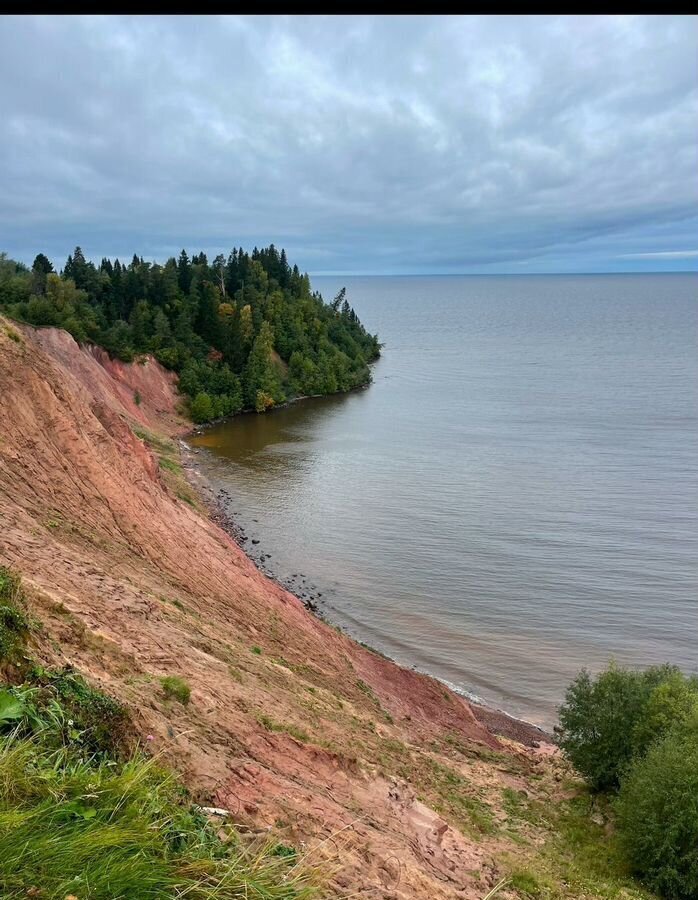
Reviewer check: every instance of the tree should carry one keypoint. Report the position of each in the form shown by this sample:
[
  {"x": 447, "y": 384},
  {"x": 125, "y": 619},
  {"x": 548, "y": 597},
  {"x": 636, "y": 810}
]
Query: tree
[
  {"x": 658, "y": 814},
  {"x": 41, "y": 267},
  {"x": 207, "y": 323},
  {"x": 339, "y": 299},
  {"x": 184, "y": 272},
  {"x": 604, "y": 723},
  {"x": 248, "y": 320},
  {"x": 202, "y": 408},
  {"x": 261, "y": 374}
]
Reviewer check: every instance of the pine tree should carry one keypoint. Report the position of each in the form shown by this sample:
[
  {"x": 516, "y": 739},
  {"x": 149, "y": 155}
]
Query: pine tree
[
  {"x": 184, "y": 272},
  {"x": 41, "y": 267}
]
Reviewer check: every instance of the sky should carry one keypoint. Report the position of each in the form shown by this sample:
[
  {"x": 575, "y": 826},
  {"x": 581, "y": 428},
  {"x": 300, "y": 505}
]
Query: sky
[{"x": 361, "y": 144}]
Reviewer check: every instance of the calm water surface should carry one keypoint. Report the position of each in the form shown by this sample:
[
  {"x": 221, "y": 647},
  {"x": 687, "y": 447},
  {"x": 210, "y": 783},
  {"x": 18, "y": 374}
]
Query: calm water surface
[{"x": 515, "y": 496}]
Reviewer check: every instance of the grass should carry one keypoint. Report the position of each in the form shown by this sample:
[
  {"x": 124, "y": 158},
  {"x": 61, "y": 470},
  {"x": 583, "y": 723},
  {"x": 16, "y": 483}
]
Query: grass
[
  {"x": 575, "y": 858},
  {"x": 154, "y": 441},
  {"x": 525, "y": 883},
  {"x": 91, "y": 829},
  {"x": 366, "y": 689},
  {"x": 176, "y": 688},
  {"x": 13, "y": 335},
  {"x": 293, "y": 730},
  {"x": 441, "y": 787},
  {"x": 84, "y": 816},
  {"x": 519, "y": 808},
  {"x": 170, "y": 465}
]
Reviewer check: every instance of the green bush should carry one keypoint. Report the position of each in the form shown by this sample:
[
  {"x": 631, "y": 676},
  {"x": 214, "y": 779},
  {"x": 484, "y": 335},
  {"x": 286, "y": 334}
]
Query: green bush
[
  {"x": 608, "y": 722},
  {"x": 176, "y": 688},
  {"x": 658, "y": 814}
]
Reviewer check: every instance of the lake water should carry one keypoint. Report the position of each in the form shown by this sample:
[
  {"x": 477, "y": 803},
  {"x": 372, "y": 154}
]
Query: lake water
[{"x": 516, "y": 494}]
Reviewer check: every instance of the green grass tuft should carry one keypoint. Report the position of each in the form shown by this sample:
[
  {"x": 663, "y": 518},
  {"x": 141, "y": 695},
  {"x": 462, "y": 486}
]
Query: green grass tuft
[
  {"x": 176, "y": 688},
  {"x": 170, "y": 465},
  {"x": 525, "y": 883},
  {"x": 293, "y": 730}
]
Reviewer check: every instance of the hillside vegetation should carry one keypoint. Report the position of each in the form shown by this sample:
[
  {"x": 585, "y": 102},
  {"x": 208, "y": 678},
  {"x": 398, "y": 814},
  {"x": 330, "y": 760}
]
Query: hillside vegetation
[
  {"x": 634, "y": 737},
  {"x": 244, "y": 332}
]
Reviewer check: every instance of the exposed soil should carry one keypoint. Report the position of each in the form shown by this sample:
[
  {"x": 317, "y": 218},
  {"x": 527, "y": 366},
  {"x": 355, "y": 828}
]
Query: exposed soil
[{"x": 291, "y": 725}]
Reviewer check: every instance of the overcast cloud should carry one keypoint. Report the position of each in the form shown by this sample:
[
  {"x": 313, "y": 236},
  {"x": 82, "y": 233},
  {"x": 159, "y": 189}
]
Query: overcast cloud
[{"x": 360, "y": 144}]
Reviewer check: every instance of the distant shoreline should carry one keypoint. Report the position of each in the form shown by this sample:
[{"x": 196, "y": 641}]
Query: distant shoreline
[{"x": 206, "y": 426}]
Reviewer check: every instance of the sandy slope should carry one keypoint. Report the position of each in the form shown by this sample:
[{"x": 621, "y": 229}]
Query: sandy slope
[{"x": 314, "y": 735}]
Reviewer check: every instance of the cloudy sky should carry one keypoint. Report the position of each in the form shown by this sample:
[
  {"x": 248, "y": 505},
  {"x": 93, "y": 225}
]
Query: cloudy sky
[{"x": 361, "y": 144}]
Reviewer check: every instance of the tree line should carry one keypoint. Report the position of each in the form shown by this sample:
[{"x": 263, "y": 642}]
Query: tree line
[{"x": 243, "y": 331}]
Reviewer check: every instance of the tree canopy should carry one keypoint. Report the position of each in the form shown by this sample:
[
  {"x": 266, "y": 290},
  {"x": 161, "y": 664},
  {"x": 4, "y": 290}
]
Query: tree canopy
[{"x": 242, "y": 332}]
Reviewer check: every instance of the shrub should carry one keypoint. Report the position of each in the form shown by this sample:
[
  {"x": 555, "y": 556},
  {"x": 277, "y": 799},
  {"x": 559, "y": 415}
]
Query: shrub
[
  {"x": 176, "y": 688},
  {"x": 658, "y": 814},
  {"x": 607, "y": 722},
  {"x": 137, "y": 398}
]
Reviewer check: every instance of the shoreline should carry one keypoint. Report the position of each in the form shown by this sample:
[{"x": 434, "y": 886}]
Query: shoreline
[
  {"x": 497, "y": 721},
  {"x": 204, "y": 426}
]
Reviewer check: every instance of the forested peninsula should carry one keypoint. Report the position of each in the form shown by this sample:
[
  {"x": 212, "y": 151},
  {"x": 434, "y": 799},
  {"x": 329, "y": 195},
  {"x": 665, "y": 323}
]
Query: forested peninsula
[{"x": 242, "y": 332}]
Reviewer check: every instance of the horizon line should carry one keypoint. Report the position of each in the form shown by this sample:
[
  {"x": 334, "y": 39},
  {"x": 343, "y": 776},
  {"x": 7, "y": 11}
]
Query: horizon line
[{"x": 346, "y": 274}]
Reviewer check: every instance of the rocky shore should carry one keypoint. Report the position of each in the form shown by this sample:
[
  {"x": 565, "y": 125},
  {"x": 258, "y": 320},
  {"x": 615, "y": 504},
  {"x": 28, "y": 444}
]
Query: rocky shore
[{"x": 218, "y": 503}]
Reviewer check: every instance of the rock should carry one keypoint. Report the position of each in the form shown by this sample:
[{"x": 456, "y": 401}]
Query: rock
[
  {"x": 215, "y": 811},
  {"x": 255, "y": 541}
]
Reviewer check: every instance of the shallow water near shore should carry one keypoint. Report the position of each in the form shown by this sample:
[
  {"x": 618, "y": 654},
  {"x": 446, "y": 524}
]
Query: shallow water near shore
[{"x": 514, "y": 497}]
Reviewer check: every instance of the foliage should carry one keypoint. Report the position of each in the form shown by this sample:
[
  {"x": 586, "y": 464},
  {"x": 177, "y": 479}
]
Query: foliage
[
  {"x": 638, "y": 732},
  {"x": 98, "y": 829},
  {"x": 609, "y": 721},
  {"x": 14, "y": 625},
  {"x": 176, "y": 688},
  {"x": 658, "y": 813},
  {"x": 242, "y": 332}
]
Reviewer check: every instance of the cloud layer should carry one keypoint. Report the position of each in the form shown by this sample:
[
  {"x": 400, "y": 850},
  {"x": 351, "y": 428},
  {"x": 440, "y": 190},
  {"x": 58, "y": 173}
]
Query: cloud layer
[{"x": 360, "y": 144}]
